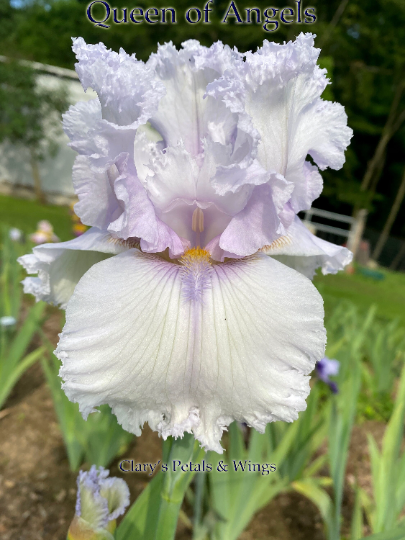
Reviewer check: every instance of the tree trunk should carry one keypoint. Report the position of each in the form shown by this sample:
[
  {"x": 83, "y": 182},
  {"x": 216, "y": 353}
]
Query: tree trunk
[
  {"x": 393, "y": 123},
  {"x": 389, "y": 129},
  {"x": 375, "y": 160},
  {"x": 356, "y": 233},
  {"x": 398, "y": 257},
  {"x": 333, "y": 22},
  {"x": 377, "y": 176},
  {"x": 39, "y": 195},
  {"x": 391, "y": 218}
]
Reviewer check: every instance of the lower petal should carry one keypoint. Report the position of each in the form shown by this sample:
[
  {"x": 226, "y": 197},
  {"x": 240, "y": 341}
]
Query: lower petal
[
  {"x": 60, "y": 266},
  {"x": 239, "y": 346},
  {"x": 305, "y": 252}
]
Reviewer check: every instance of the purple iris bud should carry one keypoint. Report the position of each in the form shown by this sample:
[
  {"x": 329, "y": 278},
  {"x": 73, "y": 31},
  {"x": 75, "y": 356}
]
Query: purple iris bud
[{"x": 326, "y": 368}]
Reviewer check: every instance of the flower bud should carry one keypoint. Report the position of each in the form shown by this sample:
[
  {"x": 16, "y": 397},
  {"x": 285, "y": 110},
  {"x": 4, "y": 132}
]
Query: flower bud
[{"x": 100, "y": 500}]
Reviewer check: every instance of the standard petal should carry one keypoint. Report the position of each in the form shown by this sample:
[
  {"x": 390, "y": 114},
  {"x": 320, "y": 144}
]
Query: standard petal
[
  {"x": 305, "y": 252},
  {"x": 113, "y": 198},
  {"x": 128, "y": 91},
  {"x": 285, "y": 81},
  {"x": 98, "y": 205},
  {"x": 60, "y": 266},
  {"x": 183, "y": 113},
  {"x": 94, "y": 137},
  {"x": 280, "y": 88},
  {"x": 80, "y": 123},
  {"x": 192, "y": 351}
]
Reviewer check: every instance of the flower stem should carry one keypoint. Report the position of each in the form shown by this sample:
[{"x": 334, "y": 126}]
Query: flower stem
[
  {"x": 198, "y": 502},
  {"x": 176, "y": 479}
]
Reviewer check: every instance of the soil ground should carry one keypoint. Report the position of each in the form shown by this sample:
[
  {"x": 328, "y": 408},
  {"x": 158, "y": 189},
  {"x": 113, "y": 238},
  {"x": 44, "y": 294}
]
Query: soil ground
[{"x": 38, "y": 491}]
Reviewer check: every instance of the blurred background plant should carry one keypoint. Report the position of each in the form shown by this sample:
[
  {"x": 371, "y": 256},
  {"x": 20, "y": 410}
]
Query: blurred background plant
[
  {"x": 30, "y": 114},
  {"x": 15, "y": 338}
]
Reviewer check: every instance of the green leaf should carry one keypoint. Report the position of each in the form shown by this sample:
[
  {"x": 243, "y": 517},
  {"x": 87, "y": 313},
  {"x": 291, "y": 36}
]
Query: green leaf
[
  {"x": 140, "y": 521},
  {"x": 175, "y": 483},
  {"x": 25, "y": 334},
  {"x": 7, "y": 383},
  {"x": 98, "y": 439},
  {"x": 396, "y": 534},
  {"x": 385, "y": 465},
  {"x": 356, "y": 529}
]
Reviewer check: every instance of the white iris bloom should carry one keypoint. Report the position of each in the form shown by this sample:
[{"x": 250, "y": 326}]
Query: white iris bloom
[{"x": 191, "y": 170}]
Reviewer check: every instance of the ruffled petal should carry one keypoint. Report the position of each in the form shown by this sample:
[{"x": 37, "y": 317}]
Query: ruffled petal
[
  {"x": 98, "y": 205},
  {"x": 192, "y": 347},
  {"x": 116, "y": 492},
  {"x": 138, "y": 218},
  {"x": 113, "y": 198},
  {"x": 60, "y": 266},
  {"x": 305, "y": 252},
  {"x": 105, "y": 164},
  {"x": 94, "y": 137},
  {"x": 184, "y": 114},
  {"x": 91, "y": 506},
  {"x": 279, "y": 88},
  {"x": 297, "y": 122},
  {"x": 128, "y": 91},
  {"x": 80, "y": 123}
]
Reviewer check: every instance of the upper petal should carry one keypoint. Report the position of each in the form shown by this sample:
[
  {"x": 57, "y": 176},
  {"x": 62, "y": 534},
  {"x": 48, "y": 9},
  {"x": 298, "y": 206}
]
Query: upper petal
[
  {"x": 184, "y": 114},
  {"x": 280, "y": 88},
  {"x": 80, "y": 123},
  {"x": 136, "y": 337},
  {"x": 128, "y": 91},
  {"x": 112, "y": 198},
  {"x": 305, "y": 252},
  {"x": 98, "y": 205},
  {"x": 178, "y": 183}
]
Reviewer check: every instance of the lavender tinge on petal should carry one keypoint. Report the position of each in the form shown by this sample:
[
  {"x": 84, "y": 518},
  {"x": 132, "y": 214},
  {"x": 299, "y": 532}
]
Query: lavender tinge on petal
[{"x": 100, "y": 500}]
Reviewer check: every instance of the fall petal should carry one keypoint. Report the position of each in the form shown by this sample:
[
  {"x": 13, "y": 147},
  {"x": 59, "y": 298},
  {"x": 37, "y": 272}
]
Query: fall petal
[
  {"x": 189, "y": 355},
  {"x": 60, "y": 266},
  {"x": 305, "y": 252}
]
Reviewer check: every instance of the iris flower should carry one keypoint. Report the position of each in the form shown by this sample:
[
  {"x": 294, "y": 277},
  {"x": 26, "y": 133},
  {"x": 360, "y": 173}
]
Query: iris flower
[
  {"x": 100, "y": 501},
  {"x": 44, "y": 233},
  {"x": 15, "y": 234},
  {"x": 327, "y": 368},
  {"x": 188, "y": 303}
]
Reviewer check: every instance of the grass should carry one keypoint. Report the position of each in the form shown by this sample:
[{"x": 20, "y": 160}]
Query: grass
[
  {"x": 25, "y": 214},
  {"x": 388, "y": 294}
]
